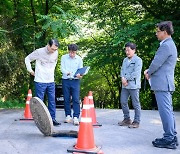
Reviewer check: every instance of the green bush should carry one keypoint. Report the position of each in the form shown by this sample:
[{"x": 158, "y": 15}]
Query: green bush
[{"x": 12, "y": 104}]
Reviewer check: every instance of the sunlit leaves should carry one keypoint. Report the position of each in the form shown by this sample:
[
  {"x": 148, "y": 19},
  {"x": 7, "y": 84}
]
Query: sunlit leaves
[{"x": 60, "y": 24}]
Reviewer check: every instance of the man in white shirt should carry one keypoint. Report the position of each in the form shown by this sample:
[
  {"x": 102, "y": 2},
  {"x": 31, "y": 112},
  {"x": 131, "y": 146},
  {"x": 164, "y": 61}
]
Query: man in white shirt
[
  {"x": 70, "y": 63},
  {"x": 46, "y": 59}
]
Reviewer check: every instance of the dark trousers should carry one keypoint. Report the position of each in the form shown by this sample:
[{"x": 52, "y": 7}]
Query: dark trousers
[
  {"x": 49, "y": 88},
  {"x": 71, "y": 88}
]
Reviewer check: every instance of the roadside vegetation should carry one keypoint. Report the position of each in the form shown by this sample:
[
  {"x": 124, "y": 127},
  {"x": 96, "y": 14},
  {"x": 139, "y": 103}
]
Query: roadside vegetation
[{"x": 99, "y": 27}]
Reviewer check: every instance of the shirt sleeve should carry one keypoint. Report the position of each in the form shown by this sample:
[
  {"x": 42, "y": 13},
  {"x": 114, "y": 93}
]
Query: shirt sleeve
[
  {"x": 161, "y": 55},
  {"x": 63, "y": 70},
  {"x": 31, "y": 57},
  {"x": 122, "y": 69}
]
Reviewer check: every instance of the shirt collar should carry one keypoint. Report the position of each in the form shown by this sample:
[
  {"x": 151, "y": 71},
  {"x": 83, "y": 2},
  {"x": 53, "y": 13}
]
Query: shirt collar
[
  {"x": 46, "y": 48},
  {"x": 72, "y": 58},
  {"x": 131, "y": 58},
  {"x": 164, "y": 40}
]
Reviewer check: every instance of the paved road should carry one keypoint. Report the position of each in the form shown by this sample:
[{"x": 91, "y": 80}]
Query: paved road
[{"x": 23, "y": 137}]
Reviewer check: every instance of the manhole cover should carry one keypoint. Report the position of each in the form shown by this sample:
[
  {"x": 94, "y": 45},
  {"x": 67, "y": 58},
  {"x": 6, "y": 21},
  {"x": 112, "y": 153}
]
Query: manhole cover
[
  {"x": 43, "y": 120},
  {"x": 41, "y": 116}
]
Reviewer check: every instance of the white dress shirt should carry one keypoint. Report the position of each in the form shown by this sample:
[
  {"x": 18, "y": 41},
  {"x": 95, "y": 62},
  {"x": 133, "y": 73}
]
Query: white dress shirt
[{"x": 45, "y": 64}]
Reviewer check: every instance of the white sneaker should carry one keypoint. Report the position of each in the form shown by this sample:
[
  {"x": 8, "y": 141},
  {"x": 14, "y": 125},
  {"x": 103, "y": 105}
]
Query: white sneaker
[
  {"x": 68, "y": 119},
  {"x": 76, "y": 121}
]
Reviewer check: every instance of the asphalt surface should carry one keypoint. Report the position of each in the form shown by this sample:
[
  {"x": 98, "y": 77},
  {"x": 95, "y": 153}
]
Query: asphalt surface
[{"x": 23, "y": 137}]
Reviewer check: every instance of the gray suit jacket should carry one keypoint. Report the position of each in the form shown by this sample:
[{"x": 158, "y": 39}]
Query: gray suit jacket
[
  {"x": 162, "y": 67},
  {"x": 131, "y": 70}
]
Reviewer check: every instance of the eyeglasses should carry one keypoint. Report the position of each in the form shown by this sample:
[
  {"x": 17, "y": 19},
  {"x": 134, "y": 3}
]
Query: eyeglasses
[
  {"x": 72, "y": 52},
  {"x": 158, "y": 31}
]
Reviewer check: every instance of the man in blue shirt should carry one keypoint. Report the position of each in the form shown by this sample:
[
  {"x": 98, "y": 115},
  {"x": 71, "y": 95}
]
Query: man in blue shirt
[{"x": 70, "y": 63}]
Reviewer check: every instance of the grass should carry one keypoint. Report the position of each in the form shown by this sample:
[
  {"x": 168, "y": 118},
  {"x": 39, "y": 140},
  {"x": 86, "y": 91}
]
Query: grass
[{"x": 11, "y": 104}]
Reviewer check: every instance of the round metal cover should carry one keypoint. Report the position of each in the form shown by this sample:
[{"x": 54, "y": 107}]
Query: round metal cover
[{"x": 41, "y": 116}]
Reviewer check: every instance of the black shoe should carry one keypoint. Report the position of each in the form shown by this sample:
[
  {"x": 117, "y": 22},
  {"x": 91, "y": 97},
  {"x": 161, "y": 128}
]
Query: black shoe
[
  {"x": 162, "y": 143},
  {"x": 55, "y": 123},
  {"x": 175, "y": 140}
]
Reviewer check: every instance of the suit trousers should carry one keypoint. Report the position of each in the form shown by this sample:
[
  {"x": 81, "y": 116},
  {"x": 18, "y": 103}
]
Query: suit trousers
[
  {"x": 49, "y": 88},
  {"x": 165, "y": 108},
  {"x": 71, "y": 88},
  {"x": 134, "y": 94}
]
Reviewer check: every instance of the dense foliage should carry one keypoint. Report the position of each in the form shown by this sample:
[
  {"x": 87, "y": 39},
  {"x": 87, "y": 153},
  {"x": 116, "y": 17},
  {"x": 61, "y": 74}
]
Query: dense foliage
[{"x": 99, "y": 27}]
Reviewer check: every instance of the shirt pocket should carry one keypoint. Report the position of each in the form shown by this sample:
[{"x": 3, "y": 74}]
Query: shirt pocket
[{"x": 131, "y": 67}]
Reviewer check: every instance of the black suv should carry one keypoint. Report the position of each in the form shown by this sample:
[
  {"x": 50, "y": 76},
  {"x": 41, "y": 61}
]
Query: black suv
[{"x": 59, "y": 96}]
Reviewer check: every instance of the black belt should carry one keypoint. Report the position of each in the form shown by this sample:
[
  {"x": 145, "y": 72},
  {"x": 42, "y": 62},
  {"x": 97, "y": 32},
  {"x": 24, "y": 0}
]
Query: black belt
[{"x": 70, "y": 79}]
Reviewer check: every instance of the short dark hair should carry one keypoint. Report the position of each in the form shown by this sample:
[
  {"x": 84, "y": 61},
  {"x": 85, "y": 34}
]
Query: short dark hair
[
  {"x": 131, "y": 45},
  {"x": 53, "y": 41},
  {"x": 72, "y": 47},
  {"x": 166, "y": 26}
]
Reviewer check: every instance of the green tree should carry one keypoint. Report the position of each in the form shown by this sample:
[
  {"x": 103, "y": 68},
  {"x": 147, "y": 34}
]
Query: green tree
[
  {"x": 120, "y": 22},
  {"x": 25, "y": 26},
  {"x": 100, "y": 28}
]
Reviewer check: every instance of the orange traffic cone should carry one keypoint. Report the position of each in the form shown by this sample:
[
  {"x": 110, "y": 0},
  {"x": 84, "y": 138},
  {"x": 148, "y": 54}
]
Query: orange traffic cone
[
  {"x": 85, "y": 141},
  {"x": 92, "y": 110},
  {"x": 27, "y": 112}
]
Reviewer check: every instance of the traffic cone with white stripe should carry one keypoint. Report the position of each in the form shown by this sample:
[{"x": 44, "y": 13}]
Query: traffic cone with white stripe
[
  {"x": 92, "y": 110},
  {"x": 85, "y": 141},
  {"x": 27, "y": 112}
]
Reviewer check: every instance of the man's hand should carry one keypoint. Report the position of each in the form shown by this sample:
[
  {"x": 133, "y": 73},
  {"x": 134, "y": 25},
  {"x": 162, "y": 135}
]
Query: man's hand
[
  {"x": 124, "y": 81},
  {"x": 78, "y": 76},
  {"x": 146, "y": 74},
  {"x": 32, "y": 73}
]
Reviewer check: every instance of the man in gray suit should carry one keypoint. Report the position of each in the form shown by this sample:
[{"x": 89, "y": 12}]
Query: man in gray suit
[
  {"x": 131, "y": 83},
  {"x": 161, "y": 77}
]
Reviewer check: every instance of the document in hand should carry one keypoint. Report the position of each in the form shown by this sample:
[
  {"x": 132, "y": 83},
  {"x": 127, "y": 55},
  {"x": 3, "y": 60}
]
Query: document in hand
[{"x": 82, "y": 71}]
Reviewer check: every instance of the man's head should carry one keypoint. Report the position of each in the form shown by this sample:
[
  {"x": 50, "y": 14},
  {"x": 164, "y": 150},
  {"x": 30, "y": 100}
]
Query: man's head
[
  {"x": 72, "y": 48},
  {"x": 130, "y": 49},
  {"x": 164, "y": 29},
  {"x": 53, "y": 45}
]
